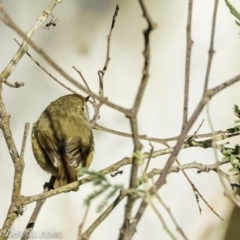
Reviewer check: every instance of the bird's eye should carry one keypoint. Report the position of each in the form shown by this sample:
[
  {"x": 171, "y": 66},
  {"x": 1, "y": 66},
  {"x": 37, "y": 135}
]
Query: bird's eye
[{"x": 83, "y": 109}]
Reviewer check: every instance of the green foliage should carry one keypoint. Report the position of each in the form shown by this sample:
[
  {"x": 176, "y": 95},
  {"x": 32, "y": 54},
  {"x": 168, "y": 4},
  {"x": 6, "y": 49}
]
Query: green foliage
[
  {"x": 100, "y": 180},
  {"x": 105, "y": 187},
  {"x": 233, "y": 11},
  {"x": 236, "y": 110},
  {"x": 235, "y": 129},
  {"x": 232, "y": 155}
]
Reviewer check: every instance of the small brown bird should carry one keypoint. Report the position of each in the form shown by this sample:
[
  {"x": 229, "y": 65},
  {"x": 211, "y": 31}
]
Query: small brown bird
[{"x": 62, "y": 139}]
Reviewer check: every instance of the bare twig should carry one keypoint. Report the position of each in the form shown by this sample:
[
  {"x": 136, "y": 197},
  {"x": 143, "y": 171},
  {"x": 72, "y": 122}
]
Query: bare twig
[
  {"x": 85, "y": 82},
  {"x": 187, "y": 63},
  {"x": 14, "y": 85},
  {"x": 211, "y": 50},
  {"x": 197, "y": 194},
  {"x": 108, "y": 42},
  {"x": 126, "y": 232},
  {"x": 162, "y": 140},
  {"x": 193, "y": 136},
  {"x": 100, "y": 76},
  {"x": 150, "y": 156},
  {"x": 101, "y": 73}
]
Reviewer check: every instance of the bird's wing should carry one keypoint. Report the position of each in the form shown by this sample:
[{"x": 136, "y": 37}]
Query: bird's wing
[
  {"x": 76, "y": 152},
  {"x": 50, "y": 147}
]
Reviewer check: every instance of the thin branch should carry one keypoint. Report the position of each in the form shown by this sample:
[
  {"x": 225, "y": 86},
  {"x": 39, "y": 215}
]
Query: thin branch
[
  {"x": 187, "y": 63},
  {"x": 94, "y": 103},
  {"x": 211, "y": 48},
  {"x": 100, "y": 76},
  {"x": 14, "y": 85},
  {"x": 109, "y": 41},
  {"x": 162, "y": 140},
  {"x": 125, "y": 231},
  {"x": 82, "y": 77},
  {"x": 193, "y": 136},
  {"x": 194, "y": 189},
  {"x": 149, "y": 158}
]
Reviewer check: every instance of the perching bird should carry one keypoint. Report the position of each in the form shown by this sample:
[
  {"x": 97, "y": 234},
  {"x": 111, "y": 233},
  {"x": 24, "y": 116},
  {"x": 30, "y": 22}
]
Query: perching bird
[{"x": 62, "y": 139}]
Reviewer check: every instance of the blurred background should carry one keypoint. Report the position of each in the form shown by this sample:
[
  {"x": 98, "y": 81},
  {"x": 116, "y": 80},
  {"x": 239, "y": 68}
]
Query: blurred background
[{"x": 80, "y": 39}]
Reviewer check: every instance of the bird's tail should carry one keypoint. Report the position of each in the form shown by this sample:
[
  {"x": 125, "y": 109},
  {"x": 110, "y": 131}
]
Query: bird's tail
[{"x": 66, "y": 175}]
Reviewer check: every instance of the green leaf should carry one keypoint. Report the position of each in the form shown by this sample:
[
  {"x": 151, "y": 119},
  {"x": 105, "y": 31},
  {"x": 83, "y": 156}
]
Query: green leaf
[{"x": 233, "y": 11}]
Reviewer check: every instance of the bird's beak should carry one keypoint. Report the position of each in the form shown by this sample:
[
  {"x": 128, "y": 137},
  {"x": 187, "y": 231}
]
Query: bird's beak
[{"x": 87, "y": 98}]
